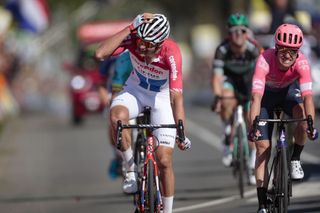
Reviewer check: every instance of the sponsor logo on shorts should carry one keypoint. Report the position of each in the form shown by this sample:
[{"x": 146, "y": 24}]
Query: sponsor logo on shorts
[
  {"x": 262, "y": 123},
  {"x": 166, "y": 135},
  {"x": 165, "y": 142}
]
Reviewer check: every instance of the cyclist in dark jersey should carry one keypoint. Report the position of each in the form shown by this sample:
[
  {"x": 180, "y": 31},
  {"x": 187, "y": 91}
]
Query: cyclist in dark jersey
[{"x": 233, "y": 67}]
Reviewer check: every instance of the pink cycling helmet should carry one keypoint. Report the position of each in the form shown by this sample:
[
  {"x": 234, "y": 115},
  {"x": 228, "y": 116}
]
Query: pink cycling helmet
[{"x": 289, "y": 35}]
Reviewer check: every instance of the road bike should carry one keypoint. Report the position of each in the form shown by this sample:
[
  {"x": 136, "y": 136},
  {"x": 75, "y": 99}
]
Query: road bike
[
  {"x": 239, "y": 145},
  {"x": 281, "y": 189},
  {"x": 148, "y": 198}
]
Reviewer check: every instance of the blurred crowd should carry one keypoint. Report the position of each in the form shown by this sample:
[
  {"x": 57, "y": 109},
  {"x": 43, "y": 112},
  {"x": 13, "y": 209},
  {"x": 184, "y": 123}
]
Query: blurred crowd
[
  {"x": 32, "y": 50},
  {"x": 8, "y": 69}
]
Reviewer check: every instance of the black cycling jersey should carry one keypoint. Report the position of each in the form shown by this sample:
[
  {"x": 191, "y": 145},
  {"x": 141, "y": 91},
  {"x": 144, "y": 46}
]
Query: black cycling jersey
[{"x": 238, "y": 69}]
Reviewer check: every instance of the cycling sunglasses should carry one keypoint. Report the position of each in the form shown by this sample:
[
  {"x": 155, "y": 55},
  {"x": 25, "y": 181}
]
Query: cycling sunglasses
[
  {"x": 147, "y": 46},
  {"x": 284, "y": 50},
  {"x": 237, "y": 30}
]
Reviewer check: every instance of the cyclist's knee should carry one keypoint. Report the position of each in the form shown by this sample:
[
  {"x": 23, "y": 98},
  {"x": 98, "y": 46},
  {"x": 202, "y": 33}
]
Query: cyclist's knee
[
  {"x": 119, "y": 113},
  {"x": 164, "y": 160},
  {"x": 298, "y": 111},
  {"x": 226, "y": 113},
  {"x": 263, "y": 147}
]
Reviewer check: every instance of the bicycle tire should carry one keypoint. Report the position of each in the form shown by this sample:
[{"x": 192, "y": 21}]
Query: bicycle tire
[
  {"x": 151, "y": 190},
  {"x": 240, "y": 161},
  {"x": 139, "y": 153},
  {"x": 282, "y": 186}
]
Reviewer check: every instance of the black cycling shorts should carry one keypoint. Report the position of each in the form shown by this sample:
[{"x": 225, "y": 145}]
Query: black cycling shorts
[{"x": 285, "y": 98}]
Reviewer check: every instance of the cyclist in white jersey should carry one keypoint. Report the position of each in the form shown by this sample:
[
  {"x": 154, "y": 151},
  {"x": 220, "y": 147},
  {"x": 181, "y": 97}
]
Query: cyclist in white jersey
[{"x": 156, "y": 81}]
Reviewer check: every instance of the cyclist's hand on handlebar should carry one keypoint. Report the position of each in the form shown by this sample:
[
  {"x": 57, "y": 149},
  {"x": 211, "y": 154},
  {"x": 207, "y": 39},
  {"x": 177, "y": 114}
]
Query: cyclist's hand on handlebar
[
  {"x": 216, "y": 104},
  {"x": 139, "y": 19},
  {"x": 186, "y": 144},
  {"x": 253, "y": 136},
  {"x": 314, "y": 135}
]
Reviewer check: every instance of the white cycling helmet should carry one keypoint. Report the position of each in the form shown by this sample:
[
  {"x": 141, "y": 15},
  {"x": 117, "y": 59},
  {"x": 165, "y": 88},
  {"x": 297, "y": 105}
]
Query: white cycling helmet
[{"x": 157, "y": 31}]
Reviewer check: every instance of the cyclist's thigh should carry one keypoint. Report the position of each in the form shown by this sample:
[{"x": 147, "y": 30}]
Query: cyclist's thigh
[
  {"x": 269, "y": 101},
  {"x": 128, "y": 100},
  {"x": 228, "y": 91},
  {"x": 293, "y": 101},
  {"x": 162, "y": 114}
]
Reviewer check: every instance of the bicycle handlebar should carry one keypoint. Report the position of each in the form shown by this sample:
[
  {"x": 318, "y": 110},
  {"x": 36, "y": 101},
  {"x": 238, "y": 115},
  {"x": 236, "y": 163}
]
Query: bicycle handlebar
[
  {"x": 308, "y": 119},
  {"x": 179, "y": 127}
]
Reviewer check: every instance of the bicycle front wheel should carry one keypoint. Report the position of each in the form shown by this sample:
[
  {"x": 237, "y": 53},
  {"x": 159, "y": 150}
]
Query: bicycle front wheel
[
  {"x": 240, "y": 160},
  {"x": 282, "y": 186},
  {"x": 151, "y": 190}
]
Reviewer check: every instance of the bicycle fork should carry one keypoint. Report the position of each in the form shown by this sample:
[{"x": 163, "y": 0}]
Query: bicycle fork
[
  {"x": 150, "y": 156},
  {"x": 240, "y": 123}
]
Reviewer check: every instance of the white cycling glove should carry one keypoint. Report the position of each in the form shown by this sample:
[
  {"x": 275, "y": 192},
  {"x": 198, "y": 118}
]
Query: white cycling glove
[
  {"x": 136, "y": 22},
  {"x": 139, "y": 19},
  {"x": 186, "y": 144}
]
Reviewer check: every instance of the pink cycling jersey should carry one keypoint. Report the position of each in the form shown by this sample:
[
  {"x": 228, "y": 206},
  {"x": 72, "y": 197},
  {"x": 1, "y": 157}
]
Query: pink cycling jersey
[
  {"x": 268, "y": 74},
  {"x": 164, "y": 72}
]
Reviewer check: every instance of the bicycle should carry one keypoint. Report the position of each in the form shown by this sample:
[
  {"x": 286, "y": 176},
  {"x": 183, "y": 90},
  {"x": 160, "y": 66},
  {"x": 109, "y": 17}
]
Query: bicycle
[
  {"x": 140, "y": 141},
  {"x": 239, "y": 141},
  {"x": 148, "y": 198},
  {"x": 281, "y": 189}
]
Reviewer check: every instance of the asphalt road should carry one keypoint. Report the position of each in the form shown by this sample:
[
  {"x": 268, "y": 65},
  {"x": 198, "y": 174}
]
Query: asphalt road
[{"x": 48, "y": 166}]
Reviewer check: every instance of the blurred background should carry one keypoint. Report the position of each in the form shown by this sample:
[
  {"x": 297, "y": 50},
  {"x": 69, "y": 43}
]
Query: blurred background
[
  {"x": 39, "y": 37},
  {"x": 47, "y": 85}
]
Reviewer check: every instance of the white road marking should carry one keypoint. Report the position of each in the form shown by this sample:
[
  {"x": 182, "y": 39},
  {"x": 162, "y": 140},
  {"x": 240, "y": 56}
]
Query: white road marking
[{"x": 214, "y": 141}]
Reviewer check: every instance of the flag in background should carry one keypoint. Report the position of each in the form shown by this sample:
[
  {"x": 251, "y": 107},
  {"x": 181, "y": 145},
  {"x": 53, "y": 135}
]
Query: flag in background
[{"x": 31, "y": 15}]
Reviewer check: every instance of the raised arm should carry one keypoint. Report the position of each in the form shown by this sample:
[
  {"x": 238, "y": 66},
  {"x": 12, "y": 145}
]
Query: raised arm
[{"x": 112, "y": 43}]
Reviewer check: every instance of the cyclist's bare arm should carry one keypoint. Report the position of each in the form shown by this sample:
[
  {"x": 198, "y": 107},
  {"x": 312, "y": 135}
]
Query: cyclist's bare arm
[
  {"x": 309, "y": 105},
  {"x": 216, "y": 84},
  {"x": 112, "y": 43},
  {"x": 104, "y": 95},
  {"x": 177, "y": 105},
  {"x": 255, "y": 106}
]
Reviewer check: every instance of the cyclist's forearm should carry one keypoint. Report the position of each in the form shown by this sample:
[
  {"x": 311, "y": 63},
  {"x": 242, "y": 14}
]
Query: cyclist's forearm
[
  {"x": 177, "y": 106},
  {"x": 216, "y": 84},
  {"x": 309, "y": 106},
  {"x": 112, "y": 43},
  {"x": 255, "y": 107}
]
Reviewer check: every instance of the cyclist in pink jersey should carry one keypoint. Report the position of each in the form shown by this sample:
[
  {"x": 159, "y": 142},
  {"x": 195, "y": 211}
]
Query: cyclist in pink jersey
[
  {"x": 156, "y": 81},
  {"x": 281, "y": 79}
]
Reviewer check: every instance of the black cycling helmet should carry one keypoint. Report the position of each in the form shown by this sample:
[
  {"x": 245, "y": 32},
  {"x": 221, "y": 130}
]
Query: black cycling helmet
[{"x": 238, "y": 19}]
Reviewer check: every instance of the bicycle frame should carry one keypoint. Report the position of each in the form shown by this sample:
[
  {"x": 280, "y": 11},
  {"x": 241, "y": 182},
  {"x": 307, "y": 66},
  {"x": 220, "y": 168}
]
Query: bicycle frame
[
  {"x": 281, "y": 188},
  {"x": 150, "y": 150},
  {"x": 240, "y": 147},
  {"x": 240, "y": 122},
  {"x": 150, "y": 168}
]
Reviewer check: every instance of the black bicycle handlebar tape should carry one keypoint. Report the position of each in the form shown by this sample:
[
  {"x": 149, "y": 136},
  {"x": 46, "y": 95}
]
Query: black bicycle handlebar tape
[
  {"x": 180, "y": 131},
  {"x": 119, "y": 134},
  {"x": 310, "y": 123}
]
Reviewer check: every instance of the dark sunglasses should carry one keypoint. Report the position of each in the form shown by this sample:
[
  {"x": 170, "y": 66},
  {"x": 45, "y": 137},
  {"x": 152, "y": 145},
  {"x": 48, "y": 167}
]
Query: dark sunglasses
[
  {"x": 237, "y": 30},
  {"x": 284, "y": 50},
  {"x": 146, "y": 46}
]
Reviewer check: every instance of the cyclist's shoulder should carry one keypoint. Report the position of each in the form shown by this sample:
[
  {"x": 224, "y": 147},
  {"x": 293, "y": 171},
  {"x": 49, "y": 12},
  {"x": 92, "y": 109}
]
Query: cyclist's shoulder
[
  {"x": 253, "y": 46},
  {"x": 170, "y": 45},
  {"x": 269, "y": 54},
  {"x": 224, "y": 46},
  {"x": 170, "y": 49}
]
